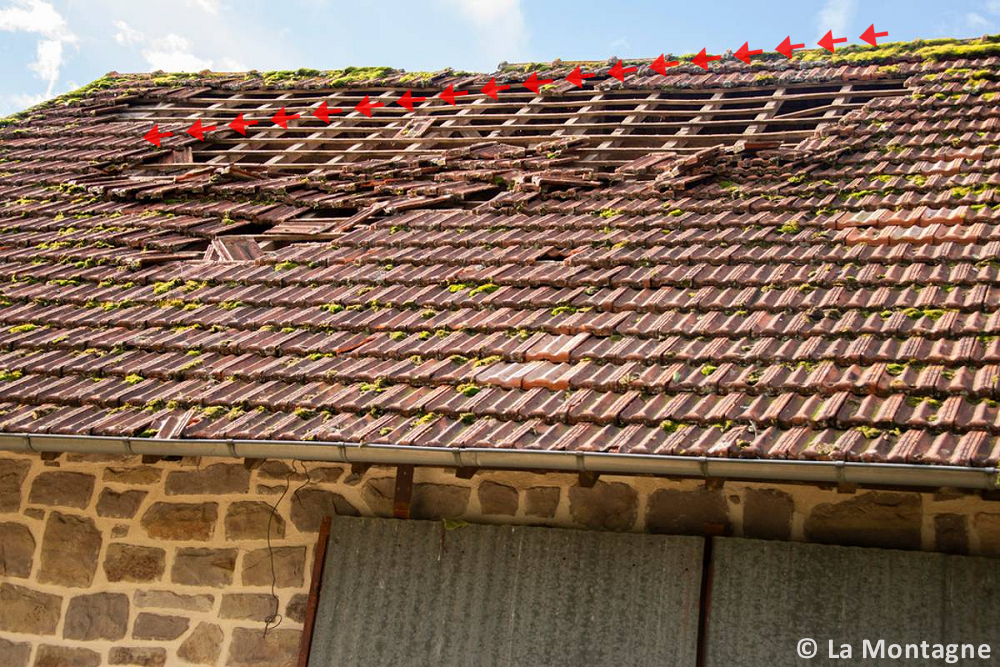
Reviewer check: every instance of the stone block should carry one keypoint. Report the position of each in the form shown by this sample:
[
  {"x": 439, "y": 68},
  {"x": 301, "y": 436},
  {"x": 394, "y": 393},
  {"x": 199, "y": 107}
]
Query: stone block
[
  {"x": 127, "y": 562},
  {"x": 203, "y": 645},
  {"x": 217, "y": 479},
  {"x": 28, "y": 611},
  {"x": 204, "y": 567},
  {"x": 249, "y": 520},
  {"x": 310, "y": 506},
  {"x": 289, "y": 567},
  {"x": 97, "y": 616},
  {"x": 142, "y": 657},
  {"x": 130, "y": 476},
  {"x": 767, "y": 514},
  {"x": 181, "y": 521},
  {"x": 378, "y": 493},
  {"x": 951, "y": 534},
  {"x": 170, "y": 600},
  {"x": 14, "y": 654},
  {"x": 247, "y": 606},
  {"x": 12, "y": 474},
  {"x": 70, "y": 547},
  {"x": 497, "y": 499},
  {"x": 875, "y": 519},
  {"x": 64, "y": 656},
  {"x": 17, "y": 550},
  {"x": 62, "y": 489},
  {"x": 117, "y": 505},
  {"x": 156, "y": 627},
  {"x": 439, "y": 501},
  {"x": 296, "y": 609},
  {"x": 680, "y": 512},
  {"x": 249, "y": 648},
  {"x": 605, "y": 506}
]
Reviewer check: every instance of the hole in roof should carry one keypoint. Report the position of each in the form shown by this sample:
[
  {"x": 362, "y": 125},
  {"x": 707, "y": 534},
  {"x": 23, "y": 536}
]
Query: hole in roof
[{"x": 553, "y": 255}]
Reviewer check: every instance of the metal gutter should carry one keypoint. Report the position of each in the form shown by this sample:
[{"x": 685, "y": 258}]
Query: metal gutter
[{"x": 771, "y": 470}]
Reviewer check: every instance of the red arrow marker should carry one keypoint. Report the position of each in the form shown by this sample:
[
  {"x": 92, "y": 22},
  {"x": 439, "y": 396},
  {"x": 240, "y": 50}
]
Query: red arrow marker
[
  {"x": 619, "y": 72},
  {"x": 786, "y": 47},
  {"x": 365, "y": 106},
  {"x": 491, "y": 89},
  {"x": 240, "y": 124},
  {"x": 534, "y": 83},
  {"x": 154, "y": 135},
  {"x": 828, "y": 41},
  {"x": 281, "y": 118},
  {"x": 197, "y": 131},
  {"x": 871, "y": 36},
  {"x": 323, "y": 112},
  {"x": 576, "y": 77},
  {"x": 449, "y": 94},
  {"x": 408, "y": 99},
  {"x": 744, "y": 52},
  {"x": 660, "y": 65},
  {"x": 702, "y": 59}
]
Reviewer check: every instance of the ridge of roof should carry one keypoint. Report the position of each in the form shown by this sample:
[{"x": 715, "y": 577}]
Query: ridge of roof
[{"x": 914, "y": 51}]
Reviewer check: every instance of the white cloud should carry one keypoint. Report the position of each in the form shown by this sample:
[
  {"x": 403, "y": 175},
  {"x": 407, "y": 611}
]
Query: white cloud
[
  {"x": 127, "y": 35},
  {"x": 620, "y": 44},
  {"x": 836, "y": 15},
  {"x": 23, "y": 101},
  {"x": 976, "y": 21},
  {"x": 37, "y": 17},
  {"x": 210, "y": 6},
  {"x": 50, "y": 58},
  {"x": 40, "y": 18},
  {"x": 499, "y": 25},
  {"x": 174, "y": 53}
]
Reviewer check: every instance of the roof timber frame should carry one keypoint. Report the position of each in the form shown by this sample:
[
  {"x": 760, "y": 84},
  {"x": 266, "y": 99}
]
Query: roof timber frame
[{"x": 617, "y": 125}]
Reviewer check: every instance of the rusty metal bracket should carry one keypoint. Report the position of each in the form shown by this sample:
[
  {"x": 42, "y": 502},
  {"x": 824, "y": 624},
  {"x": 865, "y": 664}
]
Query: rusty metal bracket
[{"x": 403, "y": 493}]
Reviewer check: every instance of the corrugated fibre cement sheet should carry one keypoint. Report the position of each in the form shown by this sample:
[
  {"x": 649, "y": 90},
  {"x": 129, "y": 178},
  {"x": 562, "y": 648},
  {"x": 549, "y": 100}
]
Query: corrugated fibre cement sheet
[
  {"x": 416, "y": 593},
  {"x": 768, "y": 596}
]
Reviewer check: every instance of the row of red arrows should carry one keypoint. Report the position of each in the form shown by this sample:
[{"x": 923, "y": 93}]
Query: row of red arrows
[{"x": 491, "y": 89}]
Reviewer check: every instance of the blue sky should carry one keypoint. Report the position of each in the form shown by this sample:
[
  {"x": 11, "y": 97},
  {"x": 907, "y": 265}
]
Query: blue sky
[{"x": 48, "y": 47}]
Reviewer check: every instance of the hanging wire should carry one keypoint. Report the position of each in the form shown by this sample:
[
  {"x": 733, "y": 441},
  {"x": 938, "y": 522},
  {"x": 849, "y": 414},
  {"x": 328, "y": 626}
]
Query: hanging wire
[{"x": 274, "y": 619}]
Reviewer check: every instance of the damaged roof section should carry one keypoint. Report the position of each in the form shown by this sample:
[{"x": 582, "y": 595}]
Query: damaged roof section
[{"x": 795, "y": 260}]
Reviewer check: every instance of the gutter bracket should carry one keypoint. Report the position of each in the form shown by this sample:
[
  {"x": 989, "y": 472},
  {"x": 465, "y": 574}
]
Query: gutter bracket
[
  {"x": 231, "y": 446},
  {"x": 843, "y": 486}
]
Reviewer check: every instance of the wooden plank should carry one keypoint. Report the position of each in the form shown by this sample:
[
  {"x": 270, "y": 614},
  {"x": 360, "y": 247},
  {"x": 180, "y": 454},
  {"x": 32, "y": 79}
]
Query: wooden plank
[{"x": 316, "y": 583}]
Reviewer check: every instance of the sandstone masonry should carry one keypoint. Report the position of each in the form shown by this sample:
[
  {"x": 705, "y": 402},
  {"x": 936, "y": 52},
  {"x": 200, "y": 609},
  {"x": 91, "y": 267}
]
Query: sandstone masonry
[{"x": 113, "y": 561}]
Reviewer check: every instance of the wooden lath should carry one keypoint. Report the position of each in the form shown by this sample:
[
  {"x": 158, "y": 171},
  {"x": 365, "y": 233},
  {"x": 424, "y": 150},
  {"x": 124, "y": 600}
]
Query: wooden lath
[{"x": 652, "y": 121}]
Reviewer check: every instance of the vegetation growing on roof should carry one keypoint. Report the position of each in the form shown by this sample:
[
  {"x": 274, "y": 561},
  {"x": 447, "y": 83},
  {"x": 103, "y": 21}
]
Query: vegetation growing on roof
[
  {"x": 921, "y": 49},
  {"x": 339, "y": 78}
]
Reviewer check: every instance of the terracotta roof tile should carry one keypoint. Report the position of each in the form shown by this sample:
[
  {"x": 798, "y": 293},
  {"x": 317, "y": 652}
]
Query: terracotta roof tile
[{"x": 824, "y": 286}]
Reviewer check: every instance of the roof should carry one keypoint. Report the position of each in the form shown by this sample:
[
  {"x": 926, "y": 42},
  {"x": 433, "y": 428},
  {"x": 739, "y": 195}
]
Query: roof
[{"x": 794, "y": 259}]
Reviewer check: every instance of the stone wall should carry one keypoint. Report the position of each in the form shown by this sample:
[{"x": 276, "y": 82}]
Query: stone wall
[{"x": 110, "y": 561}]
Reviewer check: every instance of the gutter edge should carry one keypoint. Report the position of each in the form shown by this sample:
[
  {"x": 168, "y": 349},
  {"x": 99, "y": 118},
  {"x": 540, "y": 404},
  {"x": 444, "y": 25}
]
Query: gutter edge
[{"x": 773, "y": 470}]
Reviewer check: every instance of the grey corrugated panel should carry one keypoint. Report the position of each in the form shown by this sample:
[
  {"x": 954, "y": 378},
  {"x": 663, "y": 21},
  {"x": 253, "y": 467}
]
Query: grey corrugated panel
[
  {"x": 766, "y": 596},
  {"x": 412, "y": 593}
]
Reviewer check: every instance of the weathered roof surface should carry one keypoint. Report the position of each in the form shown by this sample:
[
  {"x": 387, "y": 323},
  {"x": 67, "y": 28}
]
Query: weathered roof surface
[{"x": 797, "y": 259}]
